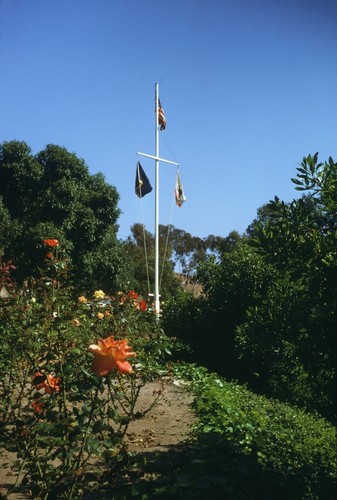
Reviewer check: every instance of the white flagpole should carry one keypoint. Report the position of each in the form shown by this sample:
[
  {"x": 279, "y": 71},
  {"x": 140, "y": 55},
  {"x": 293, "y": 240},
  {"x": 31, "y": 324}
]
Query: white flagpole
[
  {"x": 157, "y": 159},
  {"x": 156, "y": 214}
]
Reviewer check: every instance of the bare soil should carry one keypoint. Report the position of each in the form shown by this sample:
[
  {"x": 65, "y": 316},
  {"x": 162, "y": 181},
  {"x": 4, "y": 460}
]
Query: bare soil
[{"x": 164, "y": 428}]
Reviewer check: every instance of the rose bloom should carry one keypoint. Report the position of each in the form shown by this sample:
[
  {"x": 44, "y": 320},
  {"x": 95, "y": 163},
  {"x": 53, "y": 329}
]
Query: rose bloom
[
  {"x": 51, "y": 243},
  {"x": 142, "y": 305},
  {"x": 49, "y": 383},
  {"x": 110, "y": 354},
  {"x": 75, "y": 322},
  {"x": 100, "y": 315},
  {"x": 99, "y": 294},
  {"x": 37, "y": 406},
  {"x": 133, "y": 295},
  {"x": 82, "y": 299}
]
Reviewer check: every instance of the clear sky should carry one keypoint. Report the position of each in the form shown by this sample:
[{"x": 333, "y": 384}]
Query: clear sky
[{"x": 249, "y": 87}]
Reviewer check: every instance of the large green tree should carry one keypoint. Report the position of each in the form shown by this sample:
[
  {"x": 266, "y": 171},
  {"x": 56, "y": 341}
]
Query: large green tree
[
  {"x": 53, "y": 195},
  {"x": 268, "y": 310},
  {"x": 289, "y": 340}
]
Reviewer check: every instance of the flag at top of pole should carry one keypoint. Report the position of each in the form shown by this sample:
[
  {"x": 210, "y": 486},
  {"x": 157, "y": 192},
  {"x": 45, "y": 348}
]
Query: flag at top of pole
[{"x": 161, "y": 116}]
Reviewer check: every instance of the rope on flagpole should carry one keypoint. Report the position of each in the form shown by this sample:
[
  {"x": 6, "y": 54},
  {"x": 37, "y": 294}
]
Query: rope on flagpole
[
  {"x": 144, "y": 241},
  {"x": 167, "y": 240},
  {"x": 171, "y": 212},
  {"x": 170, "y": 149}
]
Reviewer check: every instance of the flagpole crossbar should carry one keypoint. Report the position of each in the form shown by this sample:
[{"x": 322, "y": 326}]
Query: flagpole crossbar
[{"x": 158, "y": 159}]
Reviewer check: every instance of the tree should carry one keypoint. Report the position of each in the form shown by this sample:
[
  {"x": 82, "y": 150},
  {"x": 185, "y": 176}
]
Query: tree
[
  {"x": 289, "y": 339},
  {"x": 220, "y": 245},
  {"x": 268, "y": 311},
  {"x": 52, "y": 195},
  {"x": 20, "y": 174},
  {"x": 187, "y": 250},
  {"x": 140, "y": 247},
  {"x": 241, "y": 278}
]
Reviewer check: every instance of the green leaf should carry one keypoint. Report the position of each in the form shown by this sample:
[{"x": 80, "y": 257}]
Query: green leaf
[
  {"x": 207, "y": 428},
  {"x": 76, "y": 351},
  {"x": 98, "y": 426}
]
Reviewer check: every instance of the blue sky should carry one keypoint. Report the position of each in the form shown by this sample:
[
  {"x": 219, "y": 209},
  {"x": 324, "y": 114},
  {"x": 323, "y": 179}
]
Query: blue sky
[{"x": 249, "y": 87}]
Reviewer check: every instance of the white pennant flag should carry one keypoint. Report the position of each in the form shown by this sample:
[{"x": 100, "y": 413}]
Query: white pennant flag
[{"x": 179, "y": 192}]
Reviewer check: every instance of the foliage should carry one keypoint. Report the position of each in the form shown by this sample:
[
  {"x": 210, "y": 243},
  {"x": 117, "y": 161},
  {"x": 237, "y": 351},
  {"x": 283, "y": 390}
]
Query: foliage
[
  {"x": 243, "y": 446},
  {"x": 56, "y": 414},
  {"x": 321, "y": 180},
  {"x": 269, "y": 306},
  {"x": 240, "y": 279},
  {"x": 140, "y": 246},
  {"x": 288, "y": 340},
  {"x": 267, "y": 316},
  {"x": 220, "y": 245},
  {"x": 189, "y": 251},
  {"x": 290, "y": 452},
  {"x": 55, "y": 196},
  {"x": 287, "y": 350}
]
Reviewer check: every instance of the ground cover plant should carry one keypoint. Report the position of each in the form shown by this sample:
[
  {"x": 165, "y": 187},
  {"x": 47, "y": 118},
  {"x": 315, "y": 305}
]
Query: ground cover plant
[{"x": 250, "y": 446}]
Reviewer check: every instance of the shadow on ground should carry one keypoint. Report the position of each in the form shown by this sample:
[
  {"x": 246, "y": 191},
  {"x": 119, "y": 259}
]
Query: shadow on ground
[{"x": 209, "y": 468}]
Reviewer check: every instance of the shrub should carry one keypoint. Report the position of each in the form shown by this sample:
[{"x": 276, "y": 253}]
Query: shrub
[
  {"x": 290, "y": 451},
  {"x": 60, "y": 407}
]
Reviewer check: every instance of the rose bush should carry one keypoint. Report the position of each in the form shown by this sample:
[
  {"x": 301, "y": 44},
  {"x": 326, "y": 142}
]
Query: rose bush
[{"x": 68, "y": 389}]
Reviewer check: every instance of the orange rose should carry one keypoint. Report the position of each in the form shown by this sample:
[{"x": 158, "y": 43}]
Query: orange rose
[
  {"x": 49, "y": 383},
  {"x": 37, "y": 406},
  {"x": 142, "y": 305},
  {"x": 110, "y": 354},
  {"x": 51, "y": 243}
]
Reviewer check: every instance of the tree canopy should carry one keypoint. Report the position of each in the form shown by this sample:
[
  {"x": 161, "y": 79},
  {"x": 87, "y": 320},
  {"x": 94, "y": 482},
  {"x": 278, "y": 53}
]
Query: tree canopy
[
  {"x": 53, "y": 195},
  {"x": 269, "y": 306}
]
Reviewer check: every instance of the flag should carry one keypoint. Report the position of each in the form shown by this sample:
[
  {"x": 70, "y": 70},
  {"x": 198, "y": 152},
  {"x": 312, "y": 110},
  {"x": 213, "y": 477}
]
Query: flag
[
  {"x": 161, "y": 116},
  {"x": 179, "y": 192},
  {"x": 143, "y": 185}
]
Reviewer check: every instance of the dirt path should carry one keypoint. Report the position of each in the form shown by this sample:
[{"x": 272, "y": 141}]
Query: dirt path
[{"x": 165, "y": 426}]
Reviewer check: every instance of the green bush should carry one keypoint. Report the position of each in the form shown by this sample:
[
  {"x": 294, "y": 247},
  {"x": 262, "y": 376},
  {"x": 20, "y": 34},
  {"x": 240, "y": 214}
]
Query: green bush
[
  {"x": 241, "y": 279},
  {"x": 290, "y": 451}
]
